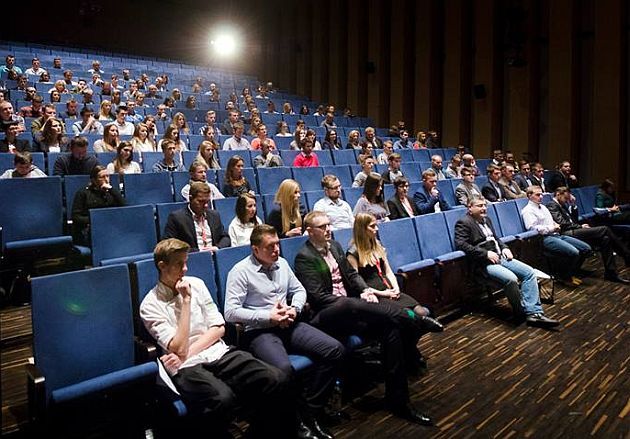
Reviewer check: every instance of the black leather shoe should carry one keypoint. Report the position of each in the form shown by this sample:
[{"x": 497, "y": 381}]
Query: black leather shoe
[
  {"x": 617, "y": 279},
  {"x": 410, "y": 413},
  {"x": 320, "y": 430},
  {"x": 305, "y": 432},
  {"x": 430, "y": 324},
  {"x": 541, "y": 321}
]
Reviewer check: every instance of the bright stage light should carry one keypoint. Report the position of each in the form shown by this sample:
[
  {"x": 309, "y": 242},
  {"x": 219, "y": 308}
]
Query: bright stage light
[{"x": 224, "y": 45}]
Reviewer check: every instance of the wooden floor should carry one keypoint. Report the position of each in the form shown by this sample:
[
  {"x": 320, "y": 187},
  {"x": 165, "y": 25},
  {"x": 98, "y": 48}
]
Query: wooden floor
[{"x": 488, "y": 377}]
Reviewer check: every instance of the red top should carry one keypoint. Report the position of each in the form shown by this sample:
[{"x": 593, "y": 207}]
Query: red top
[{"x": 302, "y": 161}]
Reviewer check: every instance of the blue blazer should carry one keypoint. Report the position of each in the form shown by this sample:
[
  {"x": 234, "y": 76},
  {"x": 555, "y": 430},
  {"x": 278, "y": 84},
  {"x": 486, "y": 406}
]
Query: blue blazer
[{"x": 425, "y": 203}]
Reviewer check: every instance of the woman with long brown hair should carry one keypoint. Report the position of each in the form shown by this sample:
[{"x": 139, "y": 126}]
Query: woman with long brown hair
[{"x": 235, "y": 182}]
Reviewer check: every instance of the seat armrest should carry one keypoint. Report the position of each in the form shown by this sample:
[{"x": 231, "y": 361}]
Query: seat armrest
[
  {"x": 233, "y": 333},
  {"x": 144, "y": 351},
  {"x": 36, "y": 391}
]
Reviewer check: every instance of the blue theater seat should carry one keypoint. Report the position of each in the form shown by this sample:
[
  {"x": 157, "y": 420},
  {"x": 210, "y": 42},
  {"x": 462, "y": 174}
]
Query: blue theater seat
[
  {"x": 308, "y": 178},
  {"x": 269, "y": 179},
  {"x": 226, "y": 207},
  {"x": 289, "y": 248},
  {"x": 162, "y": 211},
  {"x": 343, "y": 237},
  {"x": 342, "y": 172},
  {"x": 148, "y": 188}
]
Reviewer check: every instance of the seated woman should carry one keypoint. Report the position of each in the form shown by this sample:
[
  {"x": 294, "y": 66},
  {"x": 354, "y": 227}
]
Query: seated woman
[
  {"x": 105, "y": 113},
  {"x": 297, "y": 138},
  {"x": 55, "y": 96},
  {"x": 52, "y": 138},
  {"x": 367, "y": 150},
  {"x": 401, "y": 205},
  {"x": 179, "y": 120},
  {"x": 123, "y": 162},
  {"x": 371, "y": 200},
  {"x": 606, "y": 199},
  {"x": 245, "y": 220},
  {"x": 367, "y": 165},
  {"x": 353, "y": 140},
  {"x": 110, "y": 140},
  {"x": 331, "y": 141},
  {"x": 235, "y": 182},
  {"x": 206, "y": 154},
  {"x": 98, "y": 194},
  {"x": 141, "y": 141},
  {"x": 172, "y": 133},
  {"x": 198, "y": 172},
  {"x": 287, "y": 213},
  {"x": 191, "y": 102}
]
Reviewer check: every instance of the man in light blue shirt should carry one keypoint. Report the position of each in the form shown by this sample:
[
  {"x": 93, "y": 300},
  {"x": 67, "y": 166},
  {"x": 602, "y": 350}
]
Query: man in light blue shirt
[{"x": 263, "y": 293}]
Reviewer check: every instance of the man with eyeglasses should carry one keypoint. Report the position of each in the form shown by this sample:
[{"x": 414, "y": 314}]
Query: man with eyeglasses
[
  {"x": 568, "y": 253},
  {"x": 490, "y": 257},
  {"x": 339, "y": 211},
  {"x": 510, "y": 188}
]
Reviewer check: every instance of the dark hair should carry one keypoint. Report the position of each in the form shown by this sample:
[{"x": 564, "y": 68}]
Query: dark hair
[
  {"x": 259, "y": 231},
  {"x": 373, "y": 182},
  {"x": 241, "y": 206},
  {"x": 78, "y": 142},
  {"x": 400, "y": 181},
  {"x": 95, "y": 170}
]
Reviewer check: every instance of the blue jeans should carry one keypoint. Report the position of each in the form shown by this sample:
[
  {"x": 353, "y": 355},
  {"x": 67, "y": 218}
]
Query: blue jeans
[
  {"x": 509, "y": 273},
  {"x": 569, "y": 253}
]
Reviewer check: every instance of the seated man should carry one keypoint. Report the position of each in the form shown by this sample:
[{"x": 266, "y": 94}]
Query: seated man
[
  {"x": 78, "y": 162},
  {"x": 467, "y": 189},
  {"x": 468, "y": 161},
  {"x": 8, "y": 117},
  {"x": 267, "y": 159},
  {"x": 569, "y": 253},
  {"x": 372, "y": 139},
  {"x": 403, "y": 141},
  {"x": 600, "y": 236},
  {"x": 537, "y": 176},
  {"x": 71, "y": 110},
  {"x": 428, "y": 199},
  {"x": 211, "y": 123},
  {"x": 168, "y": 163},
  {"x": 510, "y": 188},
  {"x": 197, "y": 224},
  {"x": 199, "y": 172},
  {"x": 306, "y": 158},
  {"x": 475, "y": 236},
  {"x": 337, "y": 209},
  {"x": 263, "y": 294},
  {"x": 211, "y": 377},
  {"x": 562, "y": 177},
  {"x": 436, "y": 167},
  {"x": 88, "y": 123},
  {"x": 35, "y": 109},
  {"x": 24, "y": 167},
  {"x": 453, "y": 170},
  {"x": 124, "y": 128},
  {"x": 523, "y": 178},
  {"x": 344, "y": 305},
  {"x": 12, "y": 141},
  {"x": 393, "y": 170},
  {"x": 237, "y": 141},
  {"x": 492, "y": 190},
  {"x": 227, "y": 128}
]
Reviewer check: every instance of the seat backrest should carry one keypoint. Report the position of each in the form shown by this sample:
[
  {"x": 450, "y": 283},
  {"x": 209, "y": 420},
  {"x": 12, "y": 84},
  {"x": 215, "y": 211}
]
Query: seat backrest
[
  {"x": 288, "y": 156},
  {"x": 269, "y": 179},
  {"x": 446, "y": 188},
  {"x": 509, "y": 217},
  {"x": 201, "y": 265},
  {"x": 180, "y": 179},
  {"x": 225, "y": 259},
  {"x": 86, "y": 312},
  {"x": 224, "y": 157},
  {"x": 122, "y": 231},
  {"x": 289, "y": 248},
  {"x": 71, "y": 185},
  {"x": 391, "y": 234},
  {"x": 342, "y": 172},
  {"x": 309, "y": 178},
  {"x": 586, "y": 198},
  {"x": 148, "y": 188},
  {"x": 344, "y": 157},
  {"x": 6, "y": 161},
  {"x": 227, "y": 209},
  {"x": 311, "y": 198},
  {"x": 163, "y": 210},
  {"x": 452, "y": 216},
  {"x": 433, "y": 236},
  {"x": 352, "y": 195},
  {"x": 343, "y": 237},
  {"x": 31, "y": 208},
  {"x": 421, "y": 155},
  {"x": 248, "y": 173},
  {"x": 324, "y": 157}
]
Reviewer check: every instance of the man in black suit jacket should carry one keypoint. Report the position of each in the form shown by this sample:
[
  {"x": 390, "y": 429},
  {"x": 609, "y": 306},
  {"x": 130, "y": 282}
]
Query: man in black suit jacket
[
  {"x": 599, "y": 236},
  {"x": 537, "y": 176},
  {"x": 475, "y": 236},
  {"x": 348, "y": 306},
  {"x": 11, "y": 142},
  {"x": 492, "y": 190},
  {"x": 562, "y": 177},
  {"x": 197, "y": 225}
]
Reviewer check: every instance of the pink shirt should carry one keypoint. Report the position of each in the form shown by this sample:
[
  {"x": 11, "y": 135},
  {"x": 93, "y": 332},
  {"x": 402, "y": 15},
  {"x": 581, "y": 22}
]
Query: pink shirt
[
  {"x": 337, "y": 280},
  {"x": 302, "y": 161}
]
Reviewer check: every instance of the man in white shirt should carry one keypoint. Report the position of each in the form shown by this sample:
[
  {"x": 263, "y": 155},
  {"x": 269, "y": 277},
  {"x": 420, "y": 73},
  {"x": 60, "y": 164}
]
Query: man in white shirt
[
  {"x": 124, "y": 128},
  {"x": 35, "y": 69},
  {"x": 568, "y": 252},
  {"x": 211, "y": 376},
  {"x": 339, "y": 211},
  {"x": 237, "y": 141}
]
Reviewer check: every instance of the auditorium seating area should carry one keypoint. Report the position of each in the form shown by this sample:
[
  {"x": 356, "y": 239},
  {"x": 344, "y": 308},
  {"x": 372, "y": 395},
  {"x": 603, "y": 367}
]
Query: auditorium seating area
[{"x": 35, "y": 214}]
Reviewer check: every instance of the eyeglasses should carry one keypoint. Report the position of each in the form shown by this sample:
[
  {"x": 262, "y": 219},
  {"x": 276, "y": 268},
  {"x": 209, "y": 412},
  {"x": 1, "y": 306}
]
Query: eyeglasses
[{"x": 322, "y": 226}]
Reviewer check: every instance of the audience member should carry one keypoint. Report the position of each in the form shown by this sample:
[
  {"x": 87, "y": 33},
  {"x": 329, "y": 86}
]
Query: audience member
[
  {"x": 383, "y": 157},
  {"x": 372, "y": 200},
  {"x": 498, "y": 158},
  {"x": 353, "y": 140},
  {"x": 52, "y": 138},
  {"x": 492, "y": 190},
  {"x": 433, "y": 139},
  {"x": 198, "y": 224},
  {"x": 606, "y": 199},
  {"x": 436, "y": 167},
  {"x": 261, "y": 133},
  {"x": 403, "y": 141},
  {"x": 78, "y": 162},
  {"x": 211, "y": 124},
  {"x": 9, "y": 66},
  {"x": 179, "y": 120},
  {"x": 428, "y": 199},
  {"x": 35, "y": 69},
  {"x": 72, "y": 111},
  {"x": 511, "y": 190},
  {"x": 310, "y": 134},
  {"x": 282, "y": 129},
  {"x": 288, "y": 211},
  {"x": 124, "y": 128},
  {"x": 568, "y": 252},
  {"x": 123, "y": 163},
  {"x": 206, "y": 154},
  {"x": 453, "y": 170},
  {"x": 141, "y": 141},
  {"x": 537, "y": 176},
  {"x": 110, "y": 140},
  {"x": 329, "y": 122},
  {"x": 168, "y": 162},
  {"x": 246, "y": 219},
  {"x": 468, "y": 161},
  {"x": 237, "y": 141},
  {"x": 23, "y": 167},
  {"x": 88, "y": 124},
  {"x": 421, "y": 140},
  {"x": 235, "y": 182},
  {"x": 306, "y": 158},
  {"x": 331, "y": 141},
  {"x": 98, "y": 194},
  {"x": 339, "y": 211},
  {"x": 475, "y": 236},
  {"x": 401, "y": 205},
  {"x": 371, "y": 138},
  {"x": 199, "y": 172},
  {"x": 562, "y": 176},
  {"x": 229, "y": 124},
  {"x": 266, "y": 158},
  {"x": 36, "y": 109},
  {"x": 393, "y": 170},
  {"x": 523, "y": 178},
  {"x": 467, "y": 189},
  {"x": 211, "y": 377},
  {"x": 367, "y": 165},
  {"x": 11, "y": 141},
  {"x": 172, "y": 133}
]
